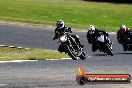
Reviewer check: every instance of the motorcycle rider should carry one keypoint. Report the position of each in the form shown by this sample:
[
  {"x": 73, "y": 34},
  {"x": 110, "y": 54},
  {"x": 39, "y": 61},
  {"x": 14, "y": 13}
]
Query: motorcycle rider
[
  {"x": 122, "y": 32},
  {"x": 62, "y": 28},
  {"x": 92, "y": 35}
]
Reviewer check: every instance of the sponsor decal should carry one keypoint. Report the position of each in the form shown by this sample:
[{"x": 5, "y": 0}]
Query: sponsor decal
[{"x": 83, "y": 78}]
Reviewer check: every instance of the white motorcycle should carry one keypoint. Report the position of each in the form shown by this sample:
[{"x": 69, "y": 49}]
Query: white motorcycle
[{"x": 104, "y": 44}]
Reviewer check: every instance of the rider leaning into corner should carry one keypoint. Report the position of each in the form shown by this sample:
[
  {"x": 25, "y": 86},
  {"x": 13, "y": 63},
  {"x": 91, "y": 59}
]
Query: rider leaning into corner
[
  {"x": 92, "y": 35},
  {"x": 122, "y": 32},
  {"x": 62, "y": 28}
]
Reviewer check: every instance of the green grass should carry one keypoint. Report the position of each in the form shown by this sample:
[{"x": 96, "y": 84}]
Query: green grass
[
  {"x": 8, "y": 54},
  {"x": 75, "y": 13}
]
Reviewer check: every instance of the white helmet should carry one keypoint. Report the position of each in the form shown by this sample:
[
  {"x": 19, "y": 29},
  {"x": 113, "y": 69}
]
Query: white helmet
[
  {"x": 123, "y": 27},
  {"x": 91, "y": 29},
  {"x": 60, "y": 24}
]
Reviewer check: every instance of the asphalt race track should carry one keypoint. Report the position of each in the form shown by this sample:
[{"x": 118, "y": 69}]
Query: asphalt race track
[{"x": 58, "y": 73}]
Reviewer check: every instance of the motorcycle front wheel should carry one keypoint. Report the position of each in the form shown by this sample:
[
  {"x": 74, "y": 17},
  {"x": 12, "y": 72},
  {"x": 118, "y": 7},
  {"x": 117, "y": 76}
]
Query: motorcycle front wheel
[
  {"x": 82, "y": 56},
  {"x": 71, "y": 53},
  {"x": 109, "y": 50}
]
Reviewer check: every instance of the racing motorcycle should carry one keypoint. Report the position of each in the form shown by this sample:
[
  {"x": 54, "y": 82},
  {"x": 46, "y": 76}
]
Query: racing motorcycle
[
  {"x": 120, "y": 36},
  {"x": 128, "y": 41},
  {"x": 68, "y": 45},
  {"x": 104, "y": 44}
]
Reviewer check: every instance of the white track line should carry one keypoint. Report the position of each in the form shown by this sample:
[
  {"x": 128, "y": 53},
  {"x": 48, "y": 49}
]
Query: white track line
[
  {"x": 65, "y": 58},
  {"x": 18, "y": 61},
  {"x": 59, "y": 59},
  {"x": 12, "y": 46},
  {"x": 26, "y": 48},
  {"x": 20, "y": 47},
  {"x": 3, "y": 84},
  {"x": 2, "y": 45},
  {"x": 111, "y": 32},
  {"x": 87, "y": 31}
]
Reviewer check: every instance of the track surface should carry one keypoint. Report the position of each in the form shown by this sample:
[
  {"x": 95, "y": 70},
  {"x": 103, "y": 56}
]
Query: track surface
[{"x": 57, "y": 74}]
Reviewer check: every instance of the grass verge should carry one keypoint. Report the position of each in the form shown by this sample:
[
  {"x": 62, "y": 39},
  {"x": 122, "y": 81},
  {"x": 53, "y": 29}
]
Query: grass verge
[
  {"x": 76, "y": 13},
  {"x": 8, "y": 54}
]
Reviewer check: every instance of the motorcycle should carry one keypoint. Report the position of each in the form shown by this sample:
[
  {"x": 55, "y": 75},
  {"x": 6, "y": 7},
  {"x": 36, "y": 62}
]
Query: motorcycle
[
  {"x": 104, "y": 44},
  {"x": 68, "y": 45},
  {"x": 120, "y": 36},
  {"x": 128, "y": 41}
]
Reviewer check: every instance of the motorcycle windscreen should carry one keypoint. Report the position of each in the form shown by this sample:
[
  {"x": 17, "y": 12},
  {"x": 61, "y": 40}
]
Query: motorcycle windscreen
[{"x": 101, "y": 38}]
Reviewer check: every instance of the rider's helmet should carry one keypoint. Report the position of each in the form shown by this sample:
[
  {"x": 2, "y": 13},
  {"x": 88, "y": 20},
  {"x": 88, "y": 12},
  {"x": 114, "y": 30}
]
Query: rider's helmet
[
  {"x": 91, "y": 29},
  {"x": 123, "y": 28},
  {"x": 60, "y": 24}
]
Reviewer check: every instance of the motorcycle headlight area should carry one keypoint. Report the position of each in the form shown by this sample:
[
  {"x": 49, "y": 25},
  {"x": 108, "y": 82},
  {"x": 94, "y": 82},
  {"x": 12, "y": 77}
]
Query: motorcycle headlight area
[
  {"x": 63, "y": 38},
  {"x": 91, "y": 32}
]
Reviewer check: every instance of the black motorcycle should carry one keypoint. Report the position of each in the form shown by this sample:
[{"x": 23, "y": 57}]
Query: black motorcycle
[
  {"x": 127, "y": 44},
  {"x": 68, "y": 45},
  {"x": 104, "y": 44}
]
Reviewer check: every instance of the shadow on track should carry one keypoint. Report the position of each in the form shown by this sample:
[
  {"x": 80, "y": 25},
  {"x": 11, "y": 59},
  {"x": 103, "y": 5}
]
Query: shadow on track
[
  {"x": 100, "y": 54},
  {"x": 123, "y": 53}
]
